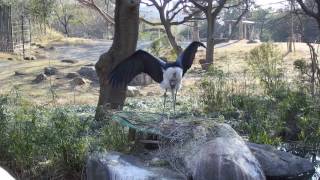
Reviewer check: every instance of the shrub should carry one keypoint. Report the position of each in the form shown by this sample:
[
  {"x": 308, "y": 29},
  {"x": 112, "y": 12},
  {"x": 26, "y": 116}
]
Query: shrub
[
  {"x": 260, "y": 120},
  {"x": 215, "y": 93},
  {"x": 265, "y": 61},
  {"x": 39, "y": 142}
]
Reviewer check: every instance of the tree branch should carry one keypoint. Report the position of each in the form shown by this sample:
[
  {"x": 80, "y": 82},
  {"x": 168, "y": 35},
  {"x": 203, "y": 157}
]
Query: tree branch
[
  {"x": 91, "y": 4},
  {"x": 149, "y": 22},
  {"x": 308, "y": 11},
  {"x": 218, "y": 8},
  {"x": 174, "y": 14},
  {"x": 199, "y": 6},
  {"x": 185, "y": 19},
  {"x": 173, "y": 8},
  {"x": 239, "y": 18}
]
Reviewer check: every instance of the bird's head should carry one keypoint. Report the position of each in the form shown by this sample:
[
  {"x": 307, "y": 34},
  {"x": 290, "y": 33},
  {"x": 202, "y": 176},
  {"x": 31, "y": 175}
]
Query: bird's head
[{"x": 198, "y": 44}]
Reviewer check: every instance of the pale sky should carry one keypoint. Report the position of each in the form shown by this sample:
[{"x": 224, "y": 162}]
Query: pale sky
[{"x": 275, "y": 4}]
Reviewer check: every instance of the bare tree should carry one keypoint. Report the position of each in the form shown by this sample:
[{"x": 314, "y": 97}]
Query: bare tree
[
  {"x": 64, "y": 14},
  {"x": 311, "y": 8},
  {"x": 211, "y": 10},
  {"x": 126, "y": 25},
  {"x": 168, "y": 11}
]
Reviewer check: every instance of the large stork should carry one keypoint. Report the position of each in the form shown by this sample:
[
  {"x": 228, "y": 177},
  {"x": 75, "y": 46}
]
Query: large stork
[{"x": 168, "y": 74}]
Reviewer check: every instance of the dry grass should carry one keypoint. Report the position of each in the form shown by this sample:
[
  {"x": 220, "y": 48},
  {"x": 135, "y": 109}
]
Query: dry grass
[
  {"x": 232, "y": 58},
  {"x": 7, "y": 56},
  {"x": 41, "y": 93},
  {"x": 53, "y": 37}
]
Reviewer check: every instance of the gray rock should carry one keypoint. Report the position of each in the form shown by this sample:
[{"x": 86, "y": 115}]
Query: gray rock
[
  {"x": 49, "y": 71},
  {"x": 133, "y": 91},
  {"x": 141, "y": 80},
  {"x": 89, "y": 73},
  {"x": 150, "y": 94},
  {"x": 30, "y": 58},
  {"x": 41, "y": 77},
  {"x": 281, "y": 165},
  {"x": 78, "y": 81},
  {"x": 10, "y": 58},
  {"x": 70, "y": 61},
  {"x": 51, "y": 48},
  {"x": 72, "y": 75},
  {"x": 221, "y": 155},
  {"x": 254, "y": 41},
  {"x": 5, "y": 175},
  {"x": 114, "y": 166},
  {"x": 40, "y": 46},
  {"x": 90, "y": 64},
  {"x": 19, "y": 73}
]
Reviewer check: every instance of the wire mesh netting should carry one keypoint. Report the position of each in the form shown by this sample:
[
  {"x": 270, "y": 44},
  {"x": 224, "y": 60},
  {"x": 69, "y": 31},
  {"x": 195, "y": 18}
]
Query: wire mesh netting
[{"x": 168, "y": 126}]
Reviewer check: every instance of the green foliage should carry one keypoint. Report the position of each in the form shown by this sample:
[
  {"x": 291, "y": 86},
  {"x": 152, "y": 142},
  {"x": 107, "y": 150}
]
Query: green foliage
[
  {"x": 215, "y": 94},
  {"x": 281, "y": 114},
  {"x": 51, "y": 142},
  {"x": 260, "y": 121},
  {"x": 300, "y": 65},
  {"x": 115, "y": 138},
  {"x": 291, "y": 115},
  {"x": 41, "y": 9},
  {"x": 265, "y": 61}
]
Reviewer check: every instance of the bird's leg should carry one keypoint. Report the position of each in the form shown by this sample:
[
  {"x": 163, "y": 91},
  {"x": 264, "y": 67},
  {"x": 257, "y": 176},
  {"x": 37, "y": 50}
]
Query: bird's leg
[
  {"x": 164, "y": 102},
  {"x": 174, "y": 96},
  {"x": 174, "y": 101}
]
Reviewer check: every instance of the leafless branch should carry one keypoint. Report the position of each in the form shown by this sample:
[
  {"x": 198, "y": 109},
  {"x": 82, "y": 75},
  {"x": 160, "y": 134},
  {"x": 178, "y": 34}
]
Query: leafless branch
[
  {"x": 308, "y": 11},
  {"x": 198, "y": 5},
  {"x": 149, "y": 22},
  {"x": 91, "y": 4}
]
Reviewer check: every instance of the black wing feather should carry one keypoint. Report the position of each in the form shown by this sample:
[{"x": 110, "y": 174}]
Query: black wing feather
[
  {"x": 186, "y": 58},
  {"x": 139, "y": 62}
]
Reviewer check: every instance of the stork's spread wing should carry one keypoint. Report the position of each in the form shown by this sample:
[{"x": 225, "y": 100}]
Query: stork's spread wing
[
  {"x": 187, "y": 56},
  {"x": 138, "y": 62}
]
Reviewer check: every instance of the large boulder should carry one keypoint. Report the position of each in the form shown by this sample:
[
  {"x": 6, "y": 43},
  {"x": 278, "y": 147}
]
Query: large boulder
[
  {"x": 225, "y": 159},
  {"x": 5, "y": 175},
  {"x": 114, "y": 166},
  {"x": 219, "y": 153},
  {"x": 89, "y": 72},
  {"x": 281, "y": 165}
]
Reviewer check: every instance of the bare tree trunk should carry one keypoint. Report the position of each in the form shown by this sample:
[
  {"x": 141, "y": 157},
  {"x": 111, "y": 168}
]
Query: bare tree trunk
[
  {"x": 210, "y": 41},
  {"x": 65, "y": 26},
  {"x": 195, "y": 31},
  {"x": 124, "y": 44},
  {"x": 177, "y": 49}
]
